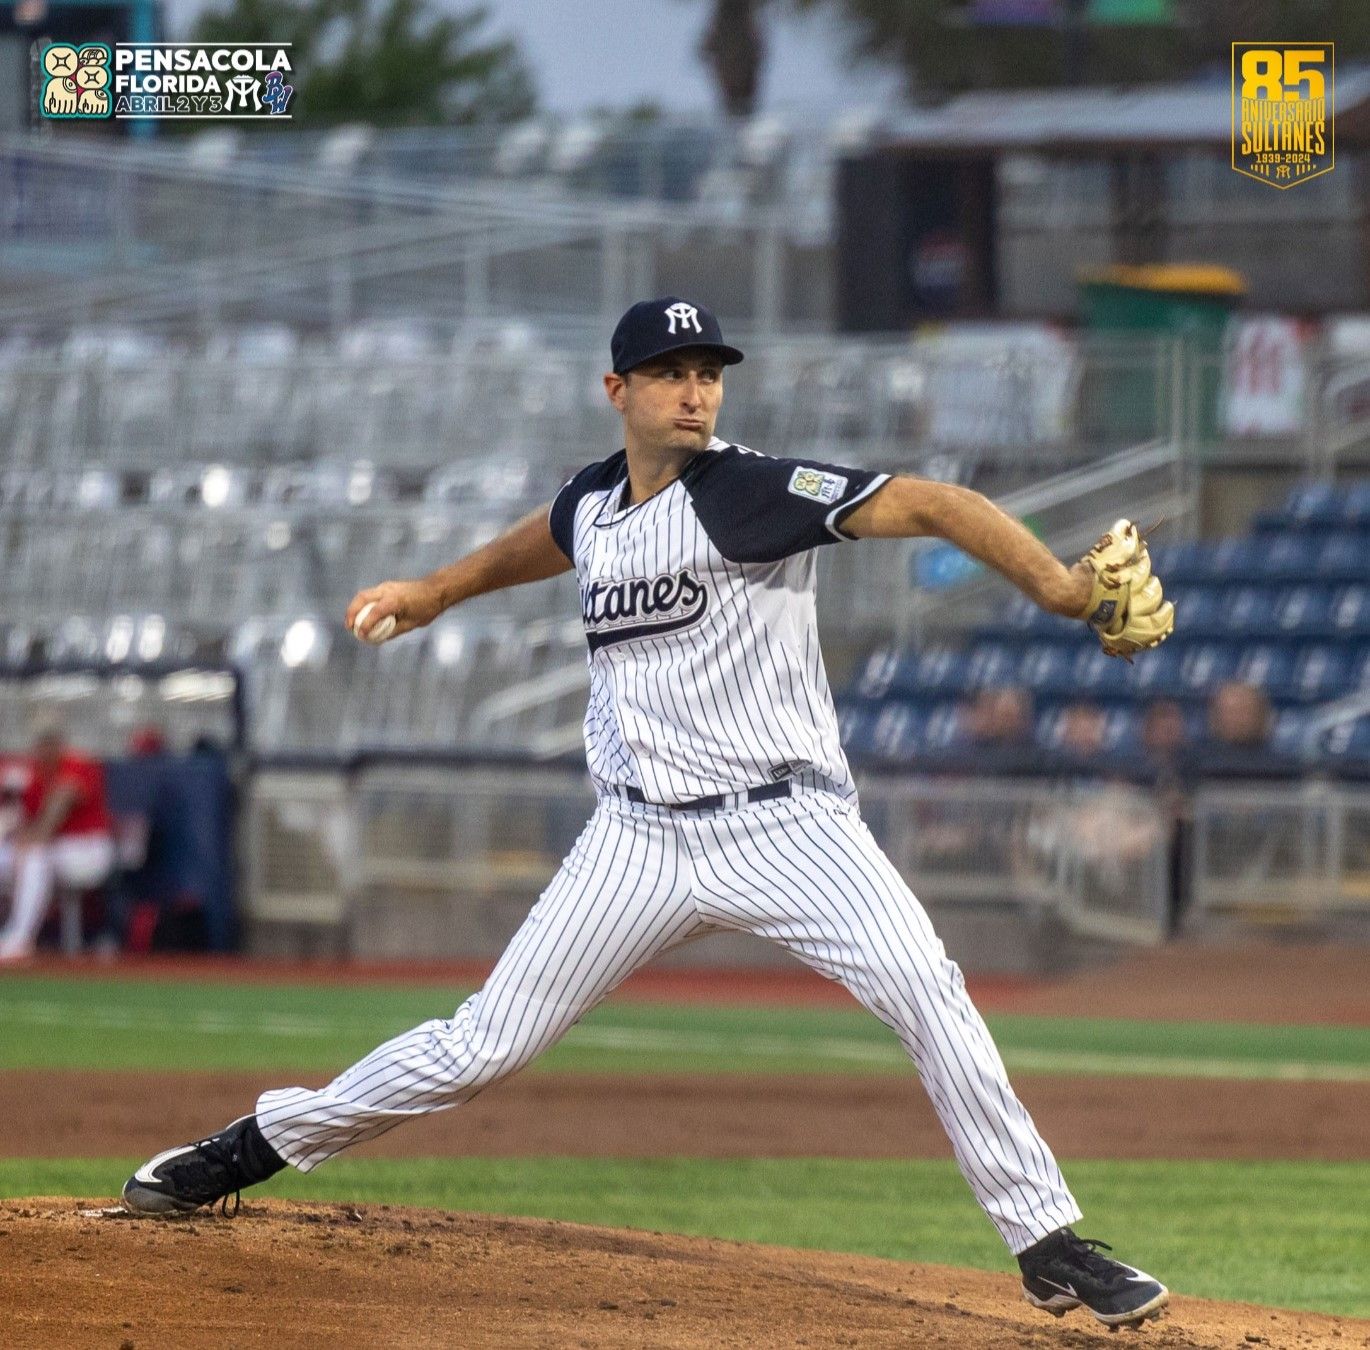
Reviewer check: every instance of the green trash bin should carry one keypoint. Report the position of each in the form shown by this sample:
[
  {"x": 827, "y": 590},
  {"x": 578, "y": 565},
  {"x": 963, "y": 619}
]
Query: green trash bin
[{"x": 1189, "y": 301}]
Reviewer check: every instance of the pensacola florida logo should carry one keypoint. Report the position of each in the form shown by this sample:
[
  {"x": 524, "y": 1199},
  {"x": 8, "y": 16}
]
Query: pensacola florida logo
[
  {"x": 1283, "y": 111},
  {"x": 167, "y": 80},
  {"x": 75, "y": 80}
]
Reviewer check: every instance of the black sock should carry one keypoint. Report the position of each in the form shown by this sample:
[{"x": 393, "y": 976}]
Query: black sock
[{"x": 257, "y": 1158}]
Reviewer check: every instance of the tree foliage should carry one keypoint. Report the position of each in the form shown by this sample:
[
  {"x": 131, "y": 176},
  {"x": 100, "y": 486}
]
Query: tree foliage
[
  {"x": 734, "y": 47},
  {"x": 395, "y": 63},
  {"x": 940, "y": 49}
]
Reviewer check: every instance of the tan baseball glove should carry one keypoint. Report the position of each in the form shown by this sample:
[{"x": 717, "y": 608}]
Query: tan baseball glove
[{"x": 1126, "y": 609}]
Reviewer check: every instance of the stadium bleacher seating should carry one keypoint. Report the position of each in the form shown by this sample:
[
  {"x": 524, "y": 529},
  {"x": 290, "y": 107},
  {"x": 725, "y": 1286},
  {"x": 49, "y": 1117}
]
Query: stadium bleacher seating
[
  {"x": 1285, "y": 608},
  {"x": 259, "y": 512}
]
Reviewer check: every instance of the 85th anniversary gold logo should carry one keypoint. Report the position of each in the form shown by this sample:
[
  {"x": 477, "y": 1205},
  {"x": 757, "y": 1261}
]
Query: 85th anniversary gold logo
[{"x": 1283, "y": 111}]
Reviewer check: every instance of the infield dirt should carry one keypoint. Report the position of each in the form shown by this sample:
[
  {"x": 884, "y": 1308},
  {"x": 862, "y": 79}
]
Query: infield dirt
[
  {"x": 291, "y": 1275},
  {"x": 88, "y": 1114},
  {"x": 285, "y": 1274}
]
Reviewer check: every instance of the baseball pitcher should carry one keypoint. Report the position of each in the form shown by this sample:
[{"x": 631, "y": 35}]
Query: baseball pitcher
[{"x": 724, "y": 797}]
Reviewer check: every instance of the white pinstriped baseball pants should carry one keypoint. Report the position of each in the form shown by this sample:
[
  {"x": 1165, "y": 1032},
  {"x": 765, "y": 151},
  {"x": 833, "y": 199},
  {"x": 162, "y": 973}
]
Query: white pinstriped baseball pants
[{"x": 803, "y": 871}]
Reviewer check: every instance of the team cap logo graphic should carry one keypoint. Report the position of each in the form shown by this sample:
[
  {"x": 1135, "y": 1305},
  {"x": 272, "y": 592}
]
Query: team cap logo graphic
[{"x": 686, "y": 315}]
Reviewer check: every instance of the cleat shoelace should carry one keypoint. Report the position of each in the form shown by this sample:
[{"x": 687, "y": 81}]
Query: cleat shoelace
[
  {"x": 207, "y": 1176},
  {"x": 1086, "y": 1252}
]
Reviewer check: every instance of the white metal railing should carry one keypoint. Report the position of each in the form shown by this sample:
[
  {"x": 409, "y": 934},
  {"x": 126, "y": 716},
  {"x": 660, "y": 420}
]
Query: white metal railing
[
  {"x": 412, "y": 858},
  {"x": 159, "y": 235},
  {"x": 404, "y": 859},
  {"x": 1068, "y": 510},
  {"x": 416, "y": 394},
  {"x": 1287, "y": 852},
  {"x": 102, "y": 708}
]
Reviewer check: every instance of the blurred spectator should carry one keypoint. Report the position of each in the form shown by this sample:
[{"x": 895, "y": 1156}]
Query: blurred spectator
[
  {"x": 146, "y": 741},
  {"x": 66, "y": 836},
  {"x": 1238, "y": 741},
  {"x": 999, "y": 717},
  {"x": 1080, "y": 735},
  {"x": 14, "y": 778},
  {"x": 175, "y": 819},
  {"x": 1239, "y": 714},
  {"x": 1164, "y": 733},
  {"x": 1165, "y": 740},
  {"x": 1106, "y": 826},
  {"x": 995, "y": 732}
]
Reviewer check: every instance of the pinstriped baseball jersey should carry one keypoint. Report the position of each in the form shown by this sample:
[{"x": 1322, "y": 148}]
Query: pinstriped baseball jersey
[
  {"x": 699, "y": 611},
  {"x": 706, "y": 680}
]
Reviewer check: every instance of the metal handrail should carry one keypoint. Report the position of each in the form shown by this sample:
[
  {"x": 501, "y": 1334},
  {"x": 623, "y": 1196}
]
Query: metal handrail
[
  {"x": 954, "y": 607},
  {"x": 1331, "y": 715}
]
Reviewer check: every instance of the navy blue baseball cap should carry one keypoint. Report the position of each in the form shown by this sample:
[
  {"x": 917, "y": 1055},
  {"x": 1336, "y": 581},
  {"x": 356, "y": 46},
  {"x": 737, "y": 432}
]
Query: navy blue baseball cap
[{"x": 653, "y": 327}]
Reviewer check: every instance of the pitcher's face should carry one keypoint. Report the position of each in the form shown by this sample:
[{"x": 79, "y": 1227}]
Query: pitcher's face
[{"x": 670, "y": 402}]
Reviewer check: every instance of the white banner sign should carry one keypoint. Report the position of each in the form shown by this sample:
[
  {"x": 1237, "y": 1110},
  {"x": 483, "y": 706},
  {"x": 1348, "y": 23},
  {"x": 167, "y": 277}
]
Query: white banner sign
[{"x": 1265, "y": 376}]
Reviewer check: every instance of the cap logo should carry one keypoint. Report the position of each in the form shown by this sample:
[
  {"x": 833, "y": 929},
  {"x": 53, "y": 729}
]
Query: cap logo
[{"x": 687, "y": 315}]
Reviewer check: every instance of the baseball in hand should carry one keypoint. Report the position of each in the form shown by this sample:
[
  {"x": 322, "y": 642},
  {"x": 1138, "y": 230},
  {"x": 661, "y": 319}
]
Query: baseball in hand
[{"x": 385, "y": 628}]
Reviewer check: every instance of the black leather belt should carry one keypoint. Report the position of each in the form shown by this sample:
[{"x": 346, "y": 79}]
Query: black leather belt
[{"x": 757, "y": 794}]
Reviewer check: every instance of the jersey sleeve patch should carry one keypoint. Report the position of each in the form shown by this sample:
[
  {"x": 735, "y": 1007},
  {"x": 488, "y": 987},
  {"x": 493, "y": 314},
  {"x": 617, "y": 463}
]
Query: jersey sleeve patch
[
  {"x": 818, "y": 485},
  {"x": 561, "y": 518},
  {"x": 759, "y": 509}
]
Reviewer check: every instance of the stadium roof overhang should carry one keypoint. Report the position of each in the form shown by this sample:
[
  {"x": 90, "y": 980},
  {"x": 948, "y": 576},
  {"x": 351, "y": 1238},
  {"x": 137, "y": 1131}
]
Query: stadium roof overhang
[{"x": 1090, "y": 121}]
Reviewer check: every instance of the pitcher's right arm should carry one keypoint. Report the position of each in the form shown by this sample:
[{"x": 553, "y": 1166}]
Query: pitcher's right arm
[{"x": 525, "y": 552}]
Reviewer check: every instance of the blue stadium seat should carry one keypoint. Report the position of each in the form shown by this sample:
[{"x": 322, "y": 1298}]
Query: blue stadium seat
[
  {"x": 937, "y": 670},
  {"x": 1349, "y": 740},
  {"x": 1342, "y": 556},
  {"x": 1303, "y": 609},
  {"x": 1287, "y": 732},
  {"x": 1019, "y": 613},
  {"x": 1196, "y": 607},
  {"x": 1121, "y": 726},
  {"x": 1287, "y": 557},
  {"x": 1206, "y": 664},
  {"x": 1100, "y": 674},
  {"x": 896, "y": 732},
  {"x": 1351, "y": 610},
  {"x": 990, "y": 664},
  {"x": 1046, "y": 667},
  {"x": 942, "y": 727},
  {"x": 1156, "y": 674},
  {"x": 1182, "y": 562},
  {"x": 1313, "y": 504},
  {"x": 1356, "y": 503},
  {"x": 1243, "y": 609},
  {"x": 1268, "y": 666},
  {"x": 1231, "y": 559},
  {"x": 878, "y": 673},
  {"x": 856, "y": 726},
  {"x": 1022, "y": 616},
  {"x": 1125, "y": 725},
  {"x": 1358, "y": 663},
  {"x": 1321, "y": 672}
]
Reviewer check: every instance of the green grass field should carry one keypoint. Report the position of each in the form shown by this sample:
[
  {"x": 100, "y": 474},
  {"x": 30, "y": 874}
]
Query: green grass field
[
  {"x": 1282, "y": 1233},
  {"x": 137, "y": 1024}
]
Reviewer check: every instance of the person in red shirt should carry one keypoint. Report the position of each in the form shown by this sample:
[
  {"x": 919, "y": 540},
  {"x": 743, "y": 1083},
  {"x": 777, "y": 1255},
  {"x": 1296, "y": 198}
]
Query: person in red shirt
[{"x": 67, "y": 836}]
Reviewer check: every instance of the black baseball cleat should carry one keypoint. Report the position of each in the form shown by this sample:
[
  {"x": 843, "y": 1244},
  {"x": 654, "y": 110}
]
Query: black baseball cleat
[
  {"x": 182, "y": 1179},
  {"x": 1063, "y": 1271}
]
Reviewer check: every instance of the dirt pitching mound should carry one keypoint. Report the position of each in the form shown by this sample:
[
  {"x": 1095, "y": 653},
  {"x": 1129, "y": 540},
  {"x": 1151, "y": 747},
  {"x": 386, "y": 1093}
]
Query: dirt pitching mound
[{"x": 73, "y": 1273}]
